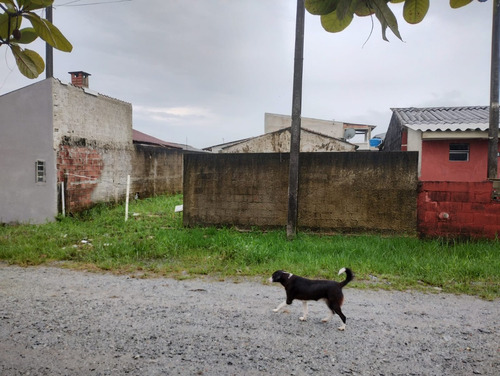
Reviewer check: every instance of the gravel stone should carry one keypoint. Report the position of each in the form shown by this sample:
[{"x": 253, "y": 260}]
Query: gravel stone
[{"x": 55, "y": 321}]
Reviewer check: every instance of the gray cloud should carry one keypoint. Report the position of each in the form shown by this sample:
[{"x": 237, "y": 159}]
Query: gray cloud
[{"x": 207, "y": 70}]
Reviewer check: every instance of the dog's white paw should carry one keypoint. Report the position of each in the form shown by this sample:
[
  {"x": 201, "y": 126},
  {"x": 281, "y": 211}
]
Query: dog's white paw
[
  {"x": 302, "y": 318},
  {"x": 276, "y": 310},
  {"x": 341, "y": 327}
]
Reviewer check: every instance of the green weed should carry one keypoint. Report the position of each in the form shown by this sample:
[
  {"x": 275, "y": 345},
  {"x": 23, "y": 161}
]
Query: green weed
[{"x": 153, "y": 241}]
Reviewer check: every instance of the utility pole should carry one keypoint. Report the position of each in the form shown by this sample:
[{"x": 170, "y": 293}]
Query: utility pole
[
  {"x": 494, "y": 93},
  {"x": 49, "y": 58},
  {"x": 293, "y": 182}
]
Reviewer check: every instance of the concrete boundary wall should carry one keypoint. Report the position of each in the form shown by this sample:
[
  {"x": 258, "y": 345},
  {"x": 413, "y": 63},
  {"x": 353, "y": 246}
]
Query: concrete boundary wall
[{"x": 345, "y": 192}]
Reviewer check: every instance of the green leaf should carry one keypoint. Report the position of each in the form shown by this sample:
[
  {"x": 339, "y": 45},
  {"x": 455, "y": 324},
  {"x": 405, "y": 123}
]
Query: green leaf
[
  {"x": 333, "y": 24},
  {"x": 4, "y": 22},
  {"x": 28, "y": 35},
  {"x": 414, "y": 11},
  {"x": 386, "y": 18},
  {"x": 321, "y": 7},
  {"x": 459, "y": 3},
  {"x": 15, "y": 22},
  {"x": 27, "y": 5},
  {"x": 363, "y": 10},
  {"x": 29, "y": 63},
  {"x": 8, "y": 2},
  {"x": 49, "y": 33},
  {"x": 346, "y": 7}
]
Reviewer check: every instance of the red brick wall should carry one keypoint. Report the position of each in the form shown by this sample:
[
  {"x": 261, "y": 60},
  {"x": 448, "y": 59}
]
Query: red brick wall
[
  {"x": 457, "y": 209},
  {"x": 80, "y": 168}
]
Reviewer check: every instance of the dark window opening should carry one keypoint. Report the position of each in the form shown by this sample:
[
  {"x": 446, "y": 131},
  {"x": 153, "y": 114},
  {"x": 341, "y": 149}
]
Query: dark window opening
[
  {"x": 459, "y": 152},
  {"x": 40, "y": 171}
]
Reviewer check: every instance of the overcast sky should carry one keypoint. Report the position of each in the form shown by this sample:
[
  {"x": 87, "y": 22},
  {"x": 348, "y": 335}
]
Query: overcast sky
[{"x": 204, "y": 72}]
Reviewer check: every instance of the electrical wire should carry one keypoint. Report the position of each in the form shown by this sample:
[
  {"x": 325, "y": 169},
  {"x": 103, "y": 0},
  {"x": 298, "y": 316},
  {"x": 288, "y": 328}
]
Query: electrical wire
[{"x": 72, "y": 3}]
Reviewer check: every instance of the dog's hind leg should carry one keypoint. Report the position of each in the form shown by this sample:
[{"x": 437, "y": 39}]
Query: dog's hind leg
[
  {"x": 336, "y": 308},
  {"x": 305, "y": 310},
  {"x": 278, "y": 308}
]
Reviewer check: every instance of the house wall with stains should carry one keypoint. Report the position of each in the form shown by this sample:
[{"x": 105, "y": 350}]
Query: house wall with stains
[
  {"x": 279, "y": 142},
  {"x": 92, "y": 173},
  {"x": 26, "y": 193},
  {"x": 93, "y": 140}
]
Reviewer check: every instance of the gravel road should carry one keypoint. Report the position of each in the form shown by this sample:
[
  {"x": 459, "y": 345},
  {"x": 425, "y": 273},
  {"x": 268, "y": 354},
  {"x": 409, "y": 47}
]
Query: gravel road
[{"x": 55, "y": 321}]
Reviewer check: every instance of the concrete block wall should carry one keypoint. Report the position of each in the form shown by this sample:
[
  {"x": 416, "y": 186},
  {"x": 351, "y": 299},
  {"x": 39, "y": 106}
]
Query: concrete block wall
[
  {"x": 95, "y": 153},
  {"x": 93, "y": 174},
  {"x": 458, "y": 209},
  {"x": 156, "y": 170},
  {"x": 235, "y": 189},
  {"x": 359, "y": 192},
  {"x": 349, "y": 192},
  {"x": 80, "y": 113}
]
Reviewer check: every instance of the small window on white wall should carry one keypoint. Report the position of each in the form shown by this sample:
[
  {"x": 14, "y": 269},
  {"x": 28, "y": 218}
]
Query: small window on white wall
[
  {"x": 459, "y": 152},
  {"x": 40, "y": 171}
]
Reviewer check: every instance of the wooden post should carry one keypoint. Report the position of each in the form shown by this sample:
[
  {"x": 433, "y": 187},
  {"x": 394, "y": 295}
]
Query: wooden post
[
  {"x": 293, "y": 183},
  {"x": 494, "y": 93}
]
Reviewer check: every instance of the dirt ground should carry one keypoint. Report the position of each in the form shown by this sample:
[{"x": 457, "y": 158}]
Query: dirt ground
[{"x": 55, "y": 321}]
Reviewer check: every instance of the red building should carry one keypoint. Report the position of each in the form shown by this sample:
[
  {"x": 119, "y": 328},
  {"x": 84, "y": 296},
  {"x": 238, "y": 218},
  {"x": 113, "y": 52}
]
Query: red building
[
  {"x": 452, "y": 141},
  {"x": 455, "y": 197}
]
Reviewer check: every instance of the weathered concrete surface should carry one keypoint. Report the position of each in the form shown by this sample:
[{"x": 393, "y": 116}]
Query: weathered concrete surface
[
  {"x": 361, "y": 191},
  {"x": 61, "y": 322}
]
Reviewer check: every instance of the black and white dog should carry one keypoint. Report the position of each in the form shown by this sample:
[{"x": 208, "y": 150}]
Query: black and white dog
[{"x": 306, "y": 289}]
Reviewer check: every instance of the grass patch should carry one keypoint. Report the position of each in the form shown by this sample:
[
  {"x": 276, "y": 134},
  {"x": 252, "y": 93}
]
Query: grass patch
[{"x": 153, "y": 242}]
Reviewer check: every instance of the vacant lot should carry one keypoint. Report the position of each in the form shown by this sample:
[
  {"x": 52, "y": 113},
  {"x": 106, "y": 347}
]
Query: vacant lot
[{"x": 61, "y": 322}]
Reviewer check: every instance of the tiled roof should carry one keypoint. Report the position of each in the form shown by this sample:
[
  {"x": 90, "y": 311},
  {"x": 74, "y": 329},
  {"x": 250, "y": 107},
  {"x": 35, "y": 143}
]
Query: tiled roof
[
  {"x": 144, "y": 138},
  {"x": 474, "y": 118}
]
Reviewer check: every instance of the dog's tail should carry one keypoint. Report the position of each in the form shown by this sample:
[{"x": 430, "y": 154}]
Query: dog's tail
[{"x": 349, "y": 276}]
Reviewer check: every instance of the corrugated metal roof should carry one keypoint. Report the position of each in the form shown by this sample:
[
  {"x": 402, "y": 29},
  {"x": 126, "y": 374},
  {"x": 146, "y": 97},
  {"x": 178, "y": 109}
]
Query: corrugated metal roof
[{"x": 473, "y": 118}]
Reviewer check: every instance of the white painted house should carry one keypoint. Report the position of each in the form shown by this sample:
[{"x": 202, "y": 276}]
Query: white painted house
[{"x": 316, "y": 136}]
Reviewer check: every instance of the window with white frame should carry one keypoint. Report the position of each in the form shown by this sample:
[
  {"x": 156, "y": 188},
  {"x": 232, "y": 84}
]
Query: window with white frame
[
  {"x": 459, "y": 152},
  {"x": 40, "y": 171}
]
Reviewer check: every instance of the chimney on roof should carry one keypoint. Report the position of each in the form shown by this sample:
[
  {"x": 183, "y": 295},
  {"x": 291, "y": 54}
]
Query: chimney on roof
[{"x": 80, "y": 78}]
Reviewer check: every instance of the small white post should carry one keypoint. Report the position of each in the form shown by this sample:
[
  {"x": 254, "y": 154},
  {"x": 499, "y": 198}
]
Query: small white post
[
  {"x": 63, "y": 204},
  {"x": 126, "y": 198}
]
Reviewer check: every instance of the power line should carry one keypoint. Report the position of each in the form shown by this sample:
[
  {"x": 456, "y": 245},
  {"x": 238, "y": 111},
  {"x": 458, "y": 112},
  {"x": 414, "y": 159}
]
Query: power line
[{"x": 72, "y": 3}]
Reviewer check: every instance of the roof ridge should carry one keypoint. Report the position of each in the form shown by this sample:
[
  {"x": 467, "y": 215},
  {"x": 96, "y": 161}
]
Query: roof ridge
[{"x": 460, "y": 118}]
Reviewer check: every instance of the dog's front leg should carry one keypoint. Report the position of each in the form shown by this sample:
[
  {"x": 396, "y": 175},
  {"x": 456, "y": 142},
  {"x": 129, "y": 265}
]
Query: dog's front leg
[
  {"x": 278, "y": 308},
  {"x": 327, "y": 318},
  {"x": 304, "y": 313}
]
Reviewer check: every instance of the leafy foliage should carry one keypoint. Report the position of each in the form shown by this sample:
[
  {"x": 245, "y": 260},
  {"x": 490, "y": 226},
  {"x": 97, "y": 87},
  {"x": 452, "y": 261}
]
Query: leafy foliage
[
  {"x": 29, "y": 62},
  {"x": 336, "y": 15}
]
